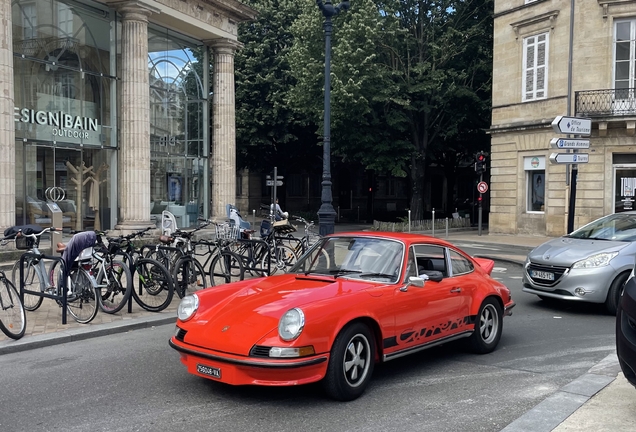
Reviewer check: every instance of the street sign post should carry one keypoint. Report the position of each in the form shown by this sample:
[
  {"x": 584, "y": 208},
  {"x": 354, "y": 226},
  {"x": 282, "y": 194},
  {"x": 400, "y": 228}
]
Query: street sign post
[
  {"x": 569, "y": 158},
  {"x": 572, "y": 125},
  {"x": 482, "y": 187},
  {"x": 566, "y": 143},
  {"x": 271, "y": 182}
]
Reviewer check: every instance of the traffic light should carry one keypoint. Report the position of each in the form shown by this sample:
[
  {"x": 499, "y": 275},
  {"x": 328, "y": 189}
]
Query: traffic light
[{"x": 481, "y": 160}]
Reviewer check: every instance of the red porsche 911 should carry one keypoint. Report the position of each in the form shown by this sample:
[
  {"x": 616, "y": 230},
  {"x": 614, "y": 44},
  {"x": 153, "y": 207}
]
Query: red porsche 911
[{"x": 354, "y": 299}]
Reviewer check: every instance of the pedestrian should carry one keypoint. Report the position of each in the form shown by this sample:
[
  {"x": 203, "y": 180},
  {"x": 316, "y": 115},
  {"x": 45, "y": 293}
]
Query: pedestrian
[{"x": 279, "y": 214}]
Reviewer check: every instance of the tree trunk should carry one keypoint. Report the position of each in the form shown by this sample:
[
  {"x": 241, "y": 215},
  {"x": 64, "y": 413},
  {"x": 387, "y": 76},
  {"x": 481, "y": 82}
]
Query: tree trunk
[{"x": 417, "y": 187}]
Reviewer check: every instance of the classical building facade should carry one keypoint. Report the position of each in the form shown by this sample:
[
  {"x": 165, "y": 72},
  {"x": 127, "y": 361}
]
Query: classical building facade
[
  {"x": 533, "y": 83},
  {"x": 112, "y": 108}
]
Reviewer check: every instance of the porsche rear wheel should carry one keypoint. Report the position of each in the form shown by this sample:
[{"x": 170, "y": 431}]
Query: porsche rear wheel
[
  {"x": 351, "y": 363},
  {"x": 488, "y": 327}
]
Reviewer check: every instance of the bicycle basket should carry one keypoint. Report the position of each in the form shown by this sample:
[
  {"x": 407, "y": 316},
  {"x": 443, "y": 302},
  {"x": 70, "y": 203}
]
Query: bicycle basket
[
  {"x": 24, "y": 243},
  {"x": 227, "y": 232}
]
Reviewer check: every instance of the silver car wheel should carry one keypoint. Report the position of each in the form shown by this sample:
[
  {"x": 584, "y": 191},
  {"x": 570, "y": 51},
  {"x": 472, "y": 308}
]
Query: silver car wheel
[
  {"x": 489, "y": 324},
  {"x": 356, "y": 361}
]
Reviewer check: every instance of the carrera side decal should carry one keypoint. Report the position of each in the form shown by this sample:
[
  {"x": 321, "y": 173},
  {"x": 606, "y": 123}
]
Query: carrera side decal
[{"x": 440, "y": 330}]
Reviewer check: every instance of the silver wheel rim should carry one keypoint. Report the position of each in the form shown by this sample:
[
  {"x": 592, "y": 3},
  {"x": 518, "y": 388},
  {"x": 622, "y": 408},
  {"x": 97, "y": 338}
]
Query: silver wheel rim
[
  {"x": 489, "y": 323},
  {"x": 356, "y": 361}
]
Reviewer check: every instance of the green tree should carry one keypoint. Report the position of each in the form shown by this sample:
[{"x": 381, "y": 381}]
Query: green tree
[
  {"x": 268, "y": 132},
  {"x": 408, "y": 78}
]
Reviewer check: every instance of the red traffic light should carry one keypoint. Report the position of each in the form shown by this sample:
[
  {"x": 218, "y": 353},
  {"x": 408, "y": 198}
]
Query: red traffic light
[{"x": 481, "y": 157}]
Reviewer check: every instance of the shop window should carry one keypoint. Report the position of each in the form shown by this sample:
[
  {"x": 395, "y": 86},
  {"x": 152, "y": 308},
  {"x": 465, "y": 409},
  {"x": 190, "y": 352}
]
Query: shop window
[
  {"x": 535, "y": 67},
  {"x": 535, "y": 183}
]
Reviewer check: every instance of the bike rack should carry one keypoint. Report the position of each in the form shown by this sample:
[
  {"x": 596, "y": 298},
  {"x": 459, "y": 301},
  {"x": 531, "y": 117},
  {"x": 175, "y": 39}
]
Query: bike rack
[
  {"x": 253, "y": 243},
  {"x": 61, "y": 297}
]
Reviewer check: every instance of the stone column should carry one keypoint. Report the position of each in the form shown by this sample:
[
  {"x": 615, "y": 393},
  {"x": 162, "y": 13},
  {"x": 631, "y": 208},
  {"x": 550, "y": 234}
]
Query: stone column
[
  {"x": 134, "y": 118},
  {"x": 223, "y": 147},
  {"x": 7, "y": 128}
]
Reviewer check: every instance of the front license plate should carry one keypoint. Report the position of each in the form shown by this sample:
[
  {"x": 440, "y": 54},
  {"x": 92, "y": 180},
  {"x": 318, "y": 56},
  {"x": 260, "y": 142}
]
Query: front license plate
[
  {"x": 536, "y": 274},
  {"x": 209, "y": 371}
]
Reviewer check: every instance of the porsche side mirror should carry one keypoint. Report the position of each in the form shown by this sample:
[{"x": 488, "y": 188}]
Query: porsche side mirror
[{"x": 415, "y": 281}]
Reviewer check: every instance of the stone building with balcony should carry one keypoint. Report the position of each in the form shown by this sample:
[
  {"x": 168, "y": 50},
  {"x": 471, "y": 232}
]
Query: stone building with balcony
[{"x": 533, "y": 83}]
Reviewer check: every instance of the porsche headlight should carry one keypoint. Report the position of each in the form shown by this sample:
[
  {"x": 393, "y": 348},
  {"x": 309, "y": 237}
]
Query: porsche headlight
[
  {"x": 598, "y": 260},
  {"x": 291, "y": 324},
  {"x": 188, "y": 306}
]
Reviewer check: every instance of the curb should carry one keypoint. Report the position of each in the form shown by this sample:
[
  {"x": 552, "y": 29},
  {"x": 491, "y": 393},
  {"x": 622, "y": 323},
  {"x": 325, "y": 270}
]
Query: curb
[
  {"x": 555, "y": 409},
  {"x": 78, "y": 334}
]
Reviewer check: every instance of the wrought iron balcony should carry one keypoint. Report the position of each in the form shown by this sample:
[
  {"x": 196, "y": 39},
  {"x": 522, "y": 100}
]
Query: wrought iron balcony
[{"x": 606, "y": 103}]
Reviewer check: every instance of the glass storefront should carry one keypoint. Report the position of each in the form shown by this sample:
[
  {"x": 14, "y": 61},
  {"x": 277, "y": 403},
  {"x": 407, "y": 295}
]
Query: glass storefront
[
  {"x": 66, "y": 60},
  {"x": 65, "y": 124},
  {"x": 178, "y": 159}
]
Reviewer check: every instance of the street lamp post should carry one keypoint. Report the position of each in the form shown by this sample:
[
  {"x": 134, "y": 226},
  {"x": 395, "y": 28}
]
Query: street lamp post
[{"x": 326, "y": 213}]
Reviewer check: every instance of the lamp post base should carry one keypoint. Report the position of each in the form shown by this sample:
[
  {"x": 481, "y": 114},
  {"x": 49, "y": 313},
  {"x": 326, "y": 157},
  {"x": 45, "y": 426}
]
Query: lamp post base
[{"x": 326, "y": 219}]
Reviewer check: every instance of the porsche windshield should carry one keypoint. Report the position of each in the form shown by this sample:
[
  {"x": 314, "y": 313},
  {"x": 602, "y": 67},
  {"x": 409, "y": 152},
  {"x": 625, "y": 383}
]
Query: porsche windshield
[
  {"x": 366, "y": 258},
  {"x": 616, "y": 227}
]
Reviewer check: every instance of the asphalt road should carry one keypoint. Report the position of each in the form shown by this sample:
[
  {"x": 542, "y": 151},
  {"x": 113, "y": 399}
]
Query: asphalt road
[{"x": 135, "y": 382}]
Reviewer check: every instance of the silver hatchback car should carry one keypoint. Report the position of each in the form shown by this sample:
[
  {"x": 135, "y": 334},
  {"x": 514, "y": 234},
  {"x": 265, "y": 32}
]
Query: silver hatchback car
[{"x": 591, "y": 264}]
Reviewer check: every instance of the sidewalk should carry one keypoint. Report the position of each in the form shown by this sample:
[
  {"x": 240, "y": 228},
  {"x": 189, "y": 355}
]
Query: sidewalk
[{"x": 600, "y": 400}]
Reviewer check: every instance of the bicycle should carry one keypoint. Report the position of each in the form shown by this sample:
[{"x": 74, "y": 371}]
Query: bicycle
[
  {"x": 177, "y": 252},
  {"x": 12, "y": 313},
  {"x": 112, "y": 278},
  {"x": 222, "y": 265},
  {"x": 153, "y": 287},
  {"x": 81, "y": 294}
]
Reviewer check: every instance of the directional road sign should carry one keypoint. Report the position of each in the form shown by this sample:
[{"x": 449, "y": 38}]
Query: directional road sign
[
  {"x": 569, "y": 158},
  {"x": 269, "y": 177},
  {"x": 572, "y": 125},
  {"x": 564, "y": 143},
  {"x": 482, "y": 187},
  {"x": 271, "y": 182}
]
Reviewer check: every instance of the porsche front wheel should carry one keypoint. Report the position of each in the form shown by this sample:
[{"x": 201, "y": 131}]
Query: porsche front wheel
[
  {"x": 351, "y": 363},
  {"x": 488, "y": 327}
]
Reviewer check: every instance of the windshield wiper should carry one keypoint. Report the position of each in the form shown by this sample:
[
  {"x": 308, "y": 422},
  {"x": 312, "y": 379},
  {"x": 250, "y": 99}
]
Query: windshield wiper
[
  {"x": 386, "y": 275},
  {"x": 341, "y": 272},
  {"x": 599, "y": 238}
]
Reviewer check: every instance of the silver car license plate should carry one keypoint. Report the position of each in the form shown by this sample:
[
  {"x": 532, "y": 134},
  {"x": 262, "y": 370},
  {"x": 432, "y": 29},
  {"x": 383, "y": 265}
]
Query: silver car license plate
[
  {"x": 537, "y": 274},
  {"x": 209, "y": 371}
]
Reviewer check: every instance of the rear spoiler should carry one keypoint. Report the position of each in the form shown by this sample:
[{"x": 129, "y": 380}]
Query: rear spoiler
[{"x": 486, "y": 264}]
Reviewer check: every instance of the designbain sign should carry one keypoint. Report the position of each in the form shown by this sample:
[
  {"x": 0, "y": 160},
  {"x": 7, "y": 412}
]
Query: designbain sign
[{"x": 61, "y": 124}]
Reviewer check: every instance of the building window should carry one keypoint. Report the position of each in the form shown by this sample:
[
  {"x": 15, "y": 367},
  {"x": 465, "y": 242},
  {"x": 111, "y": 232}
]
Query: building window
[
  {"x": 29, "y": 21},
  {"x": 64, "y": 20},
  {"x": 624, "y": 74},
  {"x": 535, "y": 67},
  {"x": 534, "y": 167}
]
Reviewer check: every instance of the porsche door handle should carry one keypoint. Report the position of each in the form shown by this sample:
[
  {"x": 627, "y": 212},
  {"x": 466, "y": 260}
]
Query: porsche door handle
[{"x": 456, "y": 290}]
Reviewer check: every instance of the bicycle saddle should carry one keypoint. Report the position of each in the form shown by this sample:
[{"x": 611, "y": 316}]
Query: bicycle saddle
[
  {"x": 165, "y": 239},
  {"x": 60, "y": 247}
]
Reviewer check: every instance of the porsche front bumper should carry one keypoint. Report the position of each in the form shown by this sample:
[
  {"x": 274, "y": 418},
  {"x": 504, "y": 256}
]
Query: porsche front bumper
[{"x": 240, "y": 370}]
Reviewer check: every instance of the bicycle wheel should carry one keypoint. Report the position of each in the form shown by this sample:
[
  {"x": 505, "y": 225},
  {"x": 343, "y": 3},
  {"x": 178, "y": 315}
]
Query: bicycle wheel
[
  {"x": 281, "y": 259},
  {"x": 82, "y": 302},
  {"x": 152, "y": 288},
  {"x": 188, "y": 276},
  {"x": 115, "y": 286},
  {"x": 165, "y": 257},
  {"x": 12, "y": 314},
  {"x": 31, "y": 283},
  {"x": 226, "y": 267}
]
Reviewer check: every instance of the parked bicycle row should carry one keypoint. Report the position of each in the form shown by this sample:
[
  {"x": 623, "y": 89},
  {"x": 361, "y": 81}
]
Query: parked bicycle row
[{"x": 96, "y": 271}]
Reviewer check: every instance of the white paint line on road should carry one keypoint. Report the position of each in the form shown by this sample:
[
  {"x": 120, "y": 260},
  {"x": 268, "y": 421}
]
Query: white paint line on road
[
  {"x": 476, "y": 246},
  {"x": 499, "y": 269}
]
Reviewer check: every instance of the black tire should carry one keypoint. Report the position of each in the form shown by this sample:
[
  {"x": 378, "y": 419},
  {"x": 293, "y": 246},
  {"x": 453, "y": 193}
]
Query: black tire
[
  {"x": 615, "y": 292},
  {"x": 115, "y": 287},
  {"x": 488, "y": 327},
  {"x": 31, "y": 283},
  {"x": 152, "y": 286},
  {"x": 188, "y": 276},
  {"x": 226, "y": 267},
  {"x": 12, "y": 314},
  {"x": 82, "y": 304},
  {"x": 351, "y": 363}
]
